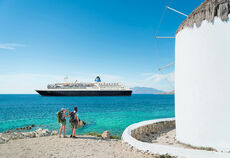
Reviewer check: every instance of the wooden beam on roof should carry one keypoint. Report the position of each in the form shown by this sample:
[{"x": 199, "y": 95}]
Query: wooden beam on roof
[
  {"x": 163, "y": 37},
  {"x": 176, "y": 11}
]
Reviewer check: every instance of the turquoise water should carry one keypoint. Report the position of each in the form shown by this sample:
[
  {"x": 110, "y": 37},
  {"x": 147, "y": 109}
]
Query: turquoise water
[{"x": 100, "y": 113}]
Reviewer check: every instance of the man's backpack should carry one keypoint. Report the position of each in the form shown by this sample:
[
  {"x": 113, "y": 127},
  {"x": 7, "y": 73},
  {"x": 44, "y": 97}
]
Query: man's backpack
[
  {"x": 59, "y": 116},
  {"x": 71, "y": 116}
]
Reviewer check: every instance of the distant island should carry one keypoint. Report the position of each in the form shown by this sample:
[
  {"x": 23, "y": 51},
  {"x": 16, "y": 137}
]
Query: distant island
[
  {"x": 149, "y": 90},
  {"x": 146, "y": 90},
  {"x": 169, "y": 92}
]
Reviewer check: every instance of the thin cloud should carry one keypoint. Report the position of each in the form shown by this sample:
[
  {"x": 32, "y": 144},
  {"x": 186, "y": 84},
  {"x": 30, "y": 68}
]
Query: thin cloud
[
  {"x": 146, "y": 74},
  {"x": 110, "y": 78},
  {"x": 160, "y": 77},
  {"x": 10, "y": 46}
]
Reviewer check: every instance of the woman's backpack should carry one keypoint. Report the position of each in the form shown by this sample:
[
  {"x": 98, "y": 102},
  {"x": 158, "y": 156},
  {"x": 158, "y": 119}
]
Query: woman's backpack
[
  {"x": 71, "y": 116},
  {"x": 59, "y": 116}
]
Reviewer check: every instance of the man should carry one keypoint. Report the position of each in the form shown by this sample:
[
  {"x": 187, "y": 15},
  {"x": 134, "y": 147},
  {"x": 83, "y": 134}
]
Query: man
[{"x": 74, "y": 120}]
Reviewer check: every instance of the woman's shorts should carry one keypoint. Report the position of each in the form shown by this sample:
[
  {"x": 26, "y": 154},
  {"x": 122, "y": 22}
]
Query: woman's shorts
[{"x": 63, "y": 123}]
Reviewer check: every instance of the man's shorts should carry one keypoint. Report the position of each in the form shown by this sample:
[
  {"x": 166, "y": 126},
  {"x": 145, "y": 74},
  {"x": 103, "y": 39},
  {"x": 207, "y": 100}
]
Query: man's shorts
[{"x": 74, "y": 124}]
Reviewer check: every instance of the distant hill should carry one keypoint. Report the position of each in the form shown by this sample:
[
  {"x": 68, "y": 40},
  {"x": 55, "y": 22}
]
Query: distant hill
[
  {"x": 146, "y": 90},
  {"x": 170, "y": 92}
]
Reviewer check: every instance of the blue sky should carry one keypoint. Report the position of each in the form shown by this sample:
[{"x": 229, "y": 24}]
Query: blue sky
[{"x": 44, "y": 41}]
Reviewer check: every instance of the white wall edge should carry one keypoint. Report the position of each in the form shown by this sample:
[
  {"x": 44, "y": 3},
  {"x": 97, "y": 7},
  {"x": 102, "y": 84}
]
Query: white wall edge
[{"x": 166, "y": 149}]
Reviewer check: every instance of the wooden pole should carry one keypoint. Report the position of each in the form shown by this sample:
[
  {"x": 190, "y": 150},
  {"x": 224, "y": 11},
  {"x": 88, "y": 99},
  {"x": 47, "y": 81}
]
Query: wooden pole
[
  {"x": 163, "y": 37},
  {"x": 176, "y": 11}
]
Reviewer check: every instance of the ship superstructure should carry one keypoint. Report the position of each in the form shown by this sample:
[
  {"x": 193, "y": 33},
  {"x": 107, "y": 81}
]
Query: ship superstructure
[{"x": 96, "y": 88}]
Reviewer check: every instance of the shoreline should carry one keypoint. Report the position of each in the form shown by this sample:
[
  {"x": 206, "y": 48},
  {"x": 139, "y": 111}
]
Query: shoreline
[{"x": 14, "y": 134}]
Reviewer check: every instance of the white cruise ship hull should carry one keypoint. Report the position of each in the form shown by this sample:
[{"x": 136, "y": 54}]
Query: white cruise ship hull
[{"x": 62, "y": 92}]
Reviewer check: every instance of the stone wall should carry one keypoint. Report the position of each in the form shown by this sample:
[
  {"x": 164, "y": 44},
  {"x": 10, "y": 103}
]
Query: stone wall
[{"x": 146, "y": 133}]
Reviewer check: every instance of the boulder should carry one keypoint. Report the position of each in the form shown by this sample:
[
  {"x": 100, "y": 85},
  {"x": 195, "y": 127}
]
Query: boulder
[
  {"x": 33, "y": 134},
  {"x": 42, "y": 132},
  {"x": 2, "y": 141},
  {"x": 13, "y": 135},
  {"x": 54, "y": 133},
  {"x": 20, "y": 136},
  {"x": 28, "y": 134},
  {"x": 5, "y": 138},
  {"x": 105, "y": 135},
  {"x": 39, "y": 130},
  {"x": 45, "y": 132}
]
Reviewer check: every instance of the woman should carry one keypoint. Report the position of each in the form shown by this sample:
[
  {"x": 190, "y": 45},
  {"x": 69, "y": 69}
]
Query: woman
[
  {"x": 63, "y": 121},
  {"x": 74, "y": 123}
]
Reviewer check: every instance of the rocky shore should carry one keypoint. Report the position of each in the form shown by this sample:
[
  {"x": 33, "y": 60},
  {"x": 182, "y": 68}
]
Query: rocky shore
[
  {"x": 12, "y": 134},
  {"x": 7, "y": 136}
]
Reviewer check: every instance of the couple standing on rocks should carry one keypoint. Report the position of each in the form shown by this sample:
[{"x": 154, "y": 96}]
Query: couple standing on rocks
[{"x": 73, "y": 119}]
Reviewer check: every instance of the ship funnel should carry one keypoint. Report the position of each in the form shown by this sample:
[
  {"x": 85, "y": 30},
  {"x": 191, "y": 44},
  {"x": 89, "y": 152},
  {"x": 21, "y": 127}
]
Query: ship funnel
[{"x": 97, "y": 79}]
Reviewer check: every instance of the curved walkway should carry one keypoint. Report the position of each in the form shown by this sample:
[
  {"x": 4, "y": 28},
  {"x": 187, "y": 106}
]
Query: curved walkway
[{"x": 166, "y": 149}]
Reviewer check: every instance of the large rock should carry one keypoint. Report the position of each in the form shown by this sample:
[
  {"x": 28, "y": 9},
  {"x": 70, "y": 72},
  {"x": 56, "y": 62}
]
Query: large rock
[
  {"x": 5, "y": 138},
  {"x": 46, "y": 132},
  {"x": 29, "y": 134},
  {"x": 105, "y": 135},
  {"x": 42, "y": 132},
  {"x": 26, "y": 134},
  {"x": 2, "y": 141},
  {"x": 15, "y": 135},
  {"x": 54, "y": 133},
  {"x": 39, "y": 130},
  {"x": 20, "y": 136},
  {"x": 33, "y": 134}
]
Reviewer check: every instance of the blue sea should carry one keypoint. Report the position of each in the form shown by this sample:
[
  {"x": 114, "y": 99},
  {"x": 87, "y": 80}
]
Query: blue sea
[{"x": 100, "y": 113}]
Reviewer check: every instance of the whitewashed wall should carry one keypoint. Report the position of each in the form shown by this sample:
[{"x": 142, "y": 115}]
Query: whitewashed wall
[
  {"x": 155, "y": 148},
  {"x": 202, "y": 85}
]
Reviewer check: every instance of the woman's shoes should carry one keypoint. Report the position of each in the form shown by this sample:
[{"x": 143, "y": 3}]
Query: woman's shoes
[
  {"x": 74, "y": 137},
  {"x": 71, "y": 136}
]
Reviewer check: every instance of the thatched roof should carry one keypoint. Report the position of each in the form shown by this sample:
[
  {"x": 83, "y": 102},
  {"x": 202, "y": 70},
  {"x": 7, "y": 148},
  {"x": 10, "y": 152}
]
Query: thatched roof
[{"x": 207, "y": 11}]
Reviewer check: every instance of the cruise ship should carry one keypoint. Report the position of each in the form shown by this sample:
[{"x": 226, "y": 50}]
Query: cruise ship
[{"x": 96, "y": 88}]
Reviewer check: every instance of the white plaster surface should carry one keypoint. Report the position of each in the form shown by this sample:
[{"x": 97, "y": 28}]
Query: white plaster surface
[
  {"x": 202, "y": 85},
  {"x": 164, "y": 149}
]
